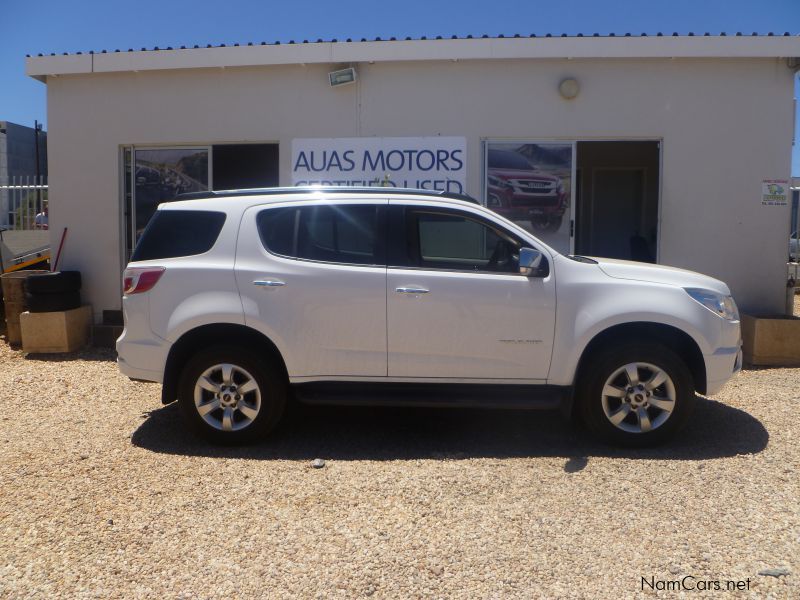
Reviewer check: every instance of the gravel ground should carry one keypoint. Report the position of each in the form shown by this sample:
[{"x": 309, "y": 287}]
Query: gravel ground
[{"x": 105, "y": 495}]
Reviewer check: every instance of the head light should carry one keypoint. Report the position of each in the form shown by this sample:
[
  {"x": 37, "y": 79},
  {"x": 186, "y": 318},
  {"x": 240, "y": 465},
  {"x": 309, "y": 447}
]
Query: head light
[
  {"x": 722, "y": 306},
  {"x": 497, "y": 182}
]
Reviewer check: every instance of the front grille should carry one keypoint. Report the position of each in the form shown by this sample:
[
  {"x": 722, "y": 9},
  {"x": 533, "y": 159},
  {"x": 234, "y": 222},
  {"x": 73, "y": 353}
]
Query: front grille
[{"x": 536, "y": 187}]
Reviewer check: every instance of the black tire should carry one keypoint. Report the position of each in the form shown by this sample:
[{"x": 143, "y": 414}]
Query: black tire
[
  {"x": 272, "y": 387},
  {"x": 54, "y": 283},
  {"x": 607, "y": 362},
  {"x": 39, "y": 303},
  {"x": 546, "y": 223},
  {"x": 554, "y": 223}
]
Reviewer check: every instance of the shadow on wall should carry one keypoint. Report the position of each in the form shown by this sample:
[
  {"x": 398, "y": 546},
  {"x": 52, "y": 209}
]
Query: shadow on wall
[{"x": 349, "y": 433}]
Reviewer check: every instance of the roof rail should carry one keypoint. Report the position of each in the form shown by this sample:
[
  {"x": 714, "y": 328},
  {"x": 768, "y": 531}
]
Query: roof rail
[{"x": 329, "y": 189}]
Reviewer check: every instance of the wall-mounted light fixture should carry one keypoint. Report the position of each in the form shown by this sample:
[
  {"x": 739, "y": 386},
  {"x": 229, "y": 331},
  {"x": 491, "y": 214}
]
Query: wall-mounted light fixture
[
  {"x": 342, "y": 76},
  {"x": 569, "y": 88}
]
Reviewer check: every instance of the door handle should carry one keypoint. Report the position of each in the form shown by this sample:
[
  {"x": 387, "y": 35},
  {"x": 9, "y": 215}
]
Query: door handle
[
  {"x": 411, "y": 290},
  {"x": 269, "y": 282}
]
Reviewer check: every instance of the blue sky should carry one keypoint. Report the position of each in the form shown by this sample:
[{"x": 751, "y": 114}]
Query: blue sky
[{"x": 81, "y": 25}]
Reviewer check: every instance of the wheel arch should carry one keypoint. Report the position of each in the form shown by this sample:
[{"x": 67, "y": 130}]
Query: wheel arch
[
  {"x": 674, "y": 338},
  {"x": 206, "y": 335}
]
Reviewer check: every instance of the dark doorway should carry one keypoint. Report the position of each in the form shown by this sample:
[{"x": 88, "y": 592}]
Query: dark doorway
[
  {"x": 617, "y": 200},
  {"x": 239, "y": 166}
]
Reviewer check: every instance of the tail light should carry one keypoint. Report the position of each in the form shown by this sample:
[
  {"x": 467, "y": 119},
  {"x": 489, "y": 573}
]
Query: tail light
[{"x": 136, "y": 280}]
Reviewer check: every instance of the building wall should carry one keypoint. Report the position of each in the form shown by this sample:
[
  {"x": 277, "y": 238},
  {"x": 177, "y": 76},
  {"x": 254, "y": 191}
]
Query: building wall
[
  {"x": 723, "y": 123},
  {"x": 18, "y": 150},
  {"x": 18, "y": 158}
]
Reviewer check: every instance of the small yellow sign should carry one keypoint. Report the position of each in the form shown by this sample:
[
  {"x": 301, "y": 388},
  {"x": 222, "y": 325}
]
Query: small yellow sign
[{"x": 774, "y": 192}]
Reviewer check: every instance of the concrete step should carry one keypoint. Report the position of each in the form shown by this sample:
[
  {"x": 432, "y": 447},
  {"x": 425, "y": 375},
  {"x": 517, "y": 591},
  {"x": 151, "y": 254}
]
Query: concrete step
[
  {"x": 113, "y": 317},
  {"x": 105, "y": 336}
]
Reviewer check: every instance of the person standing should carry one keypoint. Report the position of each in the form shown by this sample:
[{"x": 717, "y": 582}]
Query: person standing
[{"x": 41, "y": 219}]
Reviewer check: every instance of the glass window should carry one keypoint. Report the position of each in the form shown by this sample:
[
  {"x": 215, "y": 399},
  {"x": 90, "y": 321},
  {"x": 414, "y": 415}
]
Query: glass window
[
  {"x": 173, "y": 233},
  {"x": 337, "y": 234},
  {"x": 163, "y": 173},
  {"x": 530, "y": 183},
  {"x": 276, "y": 228},
  {"x": 128, "y": 201},
  {"x": 508, "y": 159},
  {"x": 457, "y": 242}
]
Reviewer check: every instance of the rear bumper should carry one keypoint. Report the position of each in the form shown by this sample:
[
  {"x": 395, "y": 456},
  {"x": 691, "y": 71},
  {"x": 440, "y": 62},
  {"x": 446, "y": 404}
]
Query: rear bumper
[
  {"x": 142, "y": 359},
  {"x": 139, "y": 374},
  {"x": 140, "y": 353}
]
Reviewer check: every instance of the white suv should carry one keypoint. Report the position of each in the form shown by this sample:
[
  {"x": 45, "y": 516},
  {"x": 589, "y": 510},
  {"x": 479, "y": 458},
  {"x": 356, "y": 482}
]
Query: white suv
[{"x": 238, "y": 301}]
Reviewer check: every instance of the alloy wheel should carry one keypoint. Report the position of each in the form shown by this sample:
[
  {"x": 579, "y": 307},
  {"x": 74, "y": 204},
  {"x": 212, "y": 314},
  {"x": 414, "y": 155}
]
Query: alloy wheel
[
  {"x": 227, "y": 397},
  {"x": 638, "y": 397}
]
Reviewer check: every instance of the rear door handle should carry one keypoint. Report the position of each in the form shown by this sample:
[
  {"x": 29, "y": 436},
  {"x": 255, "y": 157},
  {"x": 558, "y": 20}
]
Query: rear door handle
[
  {"x": 269, "y": 282},
  {"x": 411, "y": 290}
]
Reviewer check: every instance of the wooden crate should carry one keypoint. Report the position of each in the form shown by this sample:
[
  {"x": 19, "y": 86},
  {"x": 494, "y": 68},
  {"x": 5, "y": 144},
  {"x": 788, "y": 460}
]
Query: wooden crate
[
  {"x": 55, "y": 332},
  {"x": 771, "y": 341},
  {"x": 13, "y": 286}
]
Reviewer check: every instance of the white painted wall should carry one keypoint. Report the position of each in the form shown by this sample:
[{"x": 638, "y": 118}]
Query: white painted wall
[{"x": 725, "y": 126}]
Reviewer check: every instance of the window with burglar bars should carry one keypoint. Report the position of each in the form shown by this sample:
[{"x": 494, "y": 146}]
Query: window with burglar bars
[{"x": 23, "y": 202}]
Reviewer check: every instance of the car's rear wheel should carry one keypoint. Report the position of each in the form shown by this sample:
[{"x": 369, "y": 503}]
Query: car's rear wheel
[
  {"x": 229, "y": 396},
  {"x": 636, "y": 394}
]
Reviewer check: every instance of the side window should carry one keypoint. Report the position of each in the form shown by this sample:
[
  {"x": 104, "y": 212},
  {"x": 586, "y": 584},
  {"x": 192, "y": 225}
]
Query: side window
[
  {"x": 448, "y": 240},
  {"x": 277, "y": 228},
  {"x": 174, "y": 233},
  {"x": 328, "y": 233}
]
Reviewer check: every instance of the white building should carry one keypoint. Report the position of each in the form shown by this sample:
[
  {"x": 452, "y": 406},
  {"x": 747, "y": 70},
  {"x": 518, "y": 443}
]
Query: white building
[{"x": 675, "y": 149}]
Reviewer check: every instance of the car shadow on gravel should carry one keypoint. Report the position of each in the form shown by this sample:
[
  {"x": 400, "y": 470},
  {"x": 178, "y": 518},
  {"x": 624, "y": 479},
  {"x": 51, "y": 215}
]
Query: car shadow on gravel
[
  {"x": 89, "y": 354},
  {"x": 349, "y": 433}
]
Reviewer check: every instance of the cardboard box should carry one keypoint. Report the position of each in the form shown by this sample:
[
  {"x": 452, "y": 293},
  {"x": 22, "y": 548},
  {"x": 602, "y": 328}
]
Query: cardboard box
[
  {"x": 54, "y": 332},
  {"x": 771, "y": 341}
]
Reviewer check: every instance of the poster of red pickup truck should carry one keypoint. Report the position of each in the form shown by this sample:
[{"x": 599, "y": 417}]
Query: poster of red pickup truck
[{"x": 531, "y": 184}]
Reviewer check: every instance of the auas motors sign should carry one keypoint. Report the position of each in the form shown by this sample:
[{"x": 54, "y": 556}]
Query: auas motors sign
[{"x": 431, "y": 163}]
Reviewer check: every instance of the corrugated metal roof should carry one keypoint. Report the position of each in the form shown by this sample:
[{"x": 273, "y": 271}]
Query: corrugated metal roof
[{"x": 438, "y": 37}]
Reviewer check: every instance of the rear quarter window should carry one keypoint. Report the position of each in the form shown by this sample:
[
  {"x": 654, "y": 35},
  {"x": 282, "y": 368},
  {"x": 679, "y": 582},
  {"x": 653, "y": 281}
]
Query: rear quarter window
[
  {"x": 339, "y": 234},
  {"x": 174, "y": 233}
]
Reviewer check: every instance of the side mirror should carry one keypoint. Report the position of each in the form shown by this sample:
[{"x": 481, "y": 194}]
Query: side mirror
[{"x": 532, "y": 263}]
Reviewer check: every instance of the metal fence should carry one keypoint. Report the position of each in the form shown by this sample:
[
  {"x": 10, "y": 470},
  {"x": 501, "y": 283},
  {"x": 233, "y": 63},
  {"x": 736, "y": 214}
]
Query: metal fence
[{"x": 23, "y": 202}]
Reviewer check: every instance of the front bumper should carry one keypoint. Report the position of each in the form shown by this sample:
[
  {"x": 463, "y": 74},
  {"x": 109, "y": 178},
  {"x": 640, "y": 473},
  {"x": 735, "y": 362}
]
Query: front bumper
[
  {"x": 721, "y": 366},
  {"x": 544, "y": 202}
]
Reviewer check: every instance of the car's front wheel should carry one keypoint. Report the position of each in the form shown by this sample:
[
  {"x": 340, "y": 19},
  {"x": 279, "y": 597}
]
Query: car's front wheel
[
  {"x": 546, "y": 223},
  {"x": 636, "y": 394},
  {"x": 229, "y": 396}
]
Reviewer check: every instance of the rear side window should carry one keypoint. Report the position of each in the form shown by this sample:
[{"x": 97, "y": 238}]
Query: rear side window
[
  {"x": 174, "y": 233},
  {"x": 277, "y": 230},
  {"x": 346, "y": 234}
]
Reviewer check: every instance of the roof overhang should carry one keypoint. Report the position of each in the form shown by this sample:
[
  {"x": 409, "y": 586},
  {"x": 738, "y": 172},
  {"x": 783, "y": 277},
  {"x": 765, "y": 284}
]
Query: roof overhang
[{"x": 41, "y": 67}]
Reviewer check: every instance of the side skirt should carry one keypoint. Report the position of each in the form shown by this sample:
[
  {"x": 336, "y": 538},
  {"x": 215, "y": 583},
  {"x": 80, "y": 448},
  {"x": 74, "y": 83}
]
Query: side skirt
[{"x": 434, "y": 395}]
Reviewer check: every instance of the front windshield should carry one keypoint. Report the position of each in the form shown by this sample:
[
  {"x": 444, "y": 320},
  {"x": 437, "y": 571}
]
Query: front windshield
[{"x": 505, "y": 159}]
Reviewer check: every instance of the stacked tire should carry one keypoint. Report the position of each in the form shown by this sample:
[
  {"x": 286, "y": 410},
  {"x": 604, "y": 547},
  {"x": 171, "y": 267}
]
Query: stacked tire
[{"x": 53, "y": 292}]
